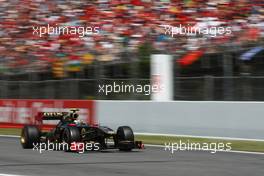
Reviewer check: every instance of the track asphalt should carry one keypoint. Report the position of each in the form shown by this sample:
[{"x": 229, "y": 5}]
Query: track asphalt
[{"x": 152, "y": 161}]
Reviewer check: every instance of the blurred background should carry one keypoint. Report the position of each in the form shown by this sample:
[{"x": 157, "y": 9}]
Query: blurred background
[{"x": 227, "y": 67}]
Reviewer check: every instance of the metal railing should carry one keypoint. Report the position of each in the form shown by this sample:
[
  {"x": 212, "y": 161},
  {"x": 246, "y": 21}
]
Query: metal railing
[{"x": 240, "y": 88}]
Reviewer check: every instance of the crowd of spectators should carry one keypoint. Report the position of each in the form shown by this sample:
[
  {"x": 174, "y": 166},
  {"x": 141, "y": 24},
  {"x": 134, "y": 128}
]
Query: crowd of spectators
[{"x": 124, "y": 26}]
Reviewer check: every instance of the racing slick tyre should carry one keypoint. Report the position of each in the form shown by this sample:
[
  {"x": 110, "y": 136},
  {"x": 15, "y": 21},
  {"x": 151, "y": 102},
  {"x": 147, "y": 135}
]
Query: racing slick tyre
[
  {"x": 125, "y": 138},
  {"x": 69, "y": 135},
  {"x": 30, "y": 135}
]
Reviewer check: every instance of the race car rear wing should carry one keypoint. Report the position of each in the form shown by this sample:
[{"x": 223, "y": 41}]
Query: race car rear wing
[{"x": 50, "y": 116}]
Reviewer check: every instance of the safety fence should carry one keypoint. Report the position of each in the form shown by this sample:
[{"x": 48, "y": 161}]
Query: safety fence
[{"x": 240, "y": 88}]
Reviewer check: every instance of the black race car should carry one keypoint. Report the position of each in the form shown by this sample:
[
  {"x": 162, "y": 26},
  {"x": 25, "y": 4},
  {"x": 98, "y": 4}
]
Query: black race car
[{"x": 71, "y": 130}]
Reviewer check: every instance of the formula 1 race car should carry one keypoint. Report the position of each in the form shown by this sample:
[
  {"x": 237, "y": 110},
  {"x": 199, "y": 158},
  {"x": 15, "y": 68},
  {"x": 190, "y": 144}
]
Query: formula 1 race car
[{"x": 70, "y": 129}]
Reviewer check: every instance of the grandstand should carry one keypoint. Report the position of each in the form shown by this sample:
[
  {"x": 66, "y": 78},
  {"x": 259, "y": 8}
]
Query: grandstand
[{"x": 225, "y": 67}]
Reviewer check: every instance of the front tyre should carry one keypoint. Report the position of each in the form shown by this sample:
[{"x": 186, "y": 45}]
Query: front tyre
[
  {"x": 125, "y": 138},
  {"x": 30, "y": 135}
]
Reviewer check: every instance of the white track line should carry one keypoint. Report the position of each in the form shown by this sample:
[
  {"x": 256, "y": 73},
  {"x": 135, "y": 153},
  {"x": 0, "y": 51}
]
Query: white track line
[
  {"x": 230, "y": 151},
  {"x": 160, "y": 146},
  {"x": 181, "y": 101},
  {"x": 9, "y": 175},
  {"x": 176, "y": 135},
  {"x": 9, "y": 136},
  {"x": 203, "y": 137}
]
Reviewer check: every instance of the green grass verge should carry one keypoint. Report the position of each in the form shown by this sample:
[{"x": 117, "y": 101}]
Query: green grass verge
[
  {"x": 252, "y": 146},
  {"x": 10, "y": 131}
]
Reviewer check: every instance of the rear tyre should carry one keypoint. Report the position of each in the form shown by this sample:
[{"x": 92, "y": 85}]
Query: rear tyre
[
  {"x": 70, "y": 135},
  {"x": 30, "y": 135},
  {"x": 125, "y": 138}
]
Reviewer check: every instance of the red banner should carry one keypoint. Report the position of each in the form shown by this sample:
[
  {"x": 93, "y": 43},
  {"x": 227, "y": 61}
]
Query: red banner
[{"x": 16, "y": 113}]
